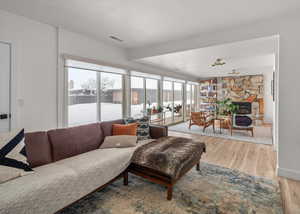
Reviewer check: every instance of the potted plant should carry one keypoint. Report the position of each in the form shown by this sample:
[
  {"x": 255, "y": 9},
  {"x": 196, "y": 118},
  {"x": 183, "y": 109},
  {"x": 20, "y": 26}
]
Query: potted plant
[
  {"x": 177, "y": 109},
  {"x": 154, "y": 110},
  {"x": 169, "y": 107},
  {"x": 160, "y": 109},
  {"x": 226, "y": 107}
]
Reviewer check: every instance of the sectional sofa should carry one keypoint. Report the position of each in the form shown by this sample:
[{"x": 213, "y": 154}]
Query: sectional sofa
[{"x": 67, "y": 166}]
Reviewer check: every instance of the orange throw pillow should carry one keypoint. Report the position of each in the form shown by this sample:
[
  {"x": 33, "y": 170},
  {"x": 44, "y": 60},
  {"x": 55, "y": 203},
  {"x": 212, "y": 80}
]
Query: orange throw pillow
[{"x": 130, "y": 129}]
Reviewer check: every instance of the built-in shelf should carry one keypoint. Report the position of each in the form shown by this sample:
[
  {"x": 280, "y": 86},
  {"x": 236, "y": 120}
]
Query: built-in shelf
[{"x": 208, "y": 95}]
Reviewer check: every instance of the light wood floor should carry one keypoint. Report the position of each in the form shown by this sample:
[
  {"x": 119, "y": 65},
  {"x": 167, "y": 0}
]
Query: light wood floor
[{"x": 254, "y": 159}]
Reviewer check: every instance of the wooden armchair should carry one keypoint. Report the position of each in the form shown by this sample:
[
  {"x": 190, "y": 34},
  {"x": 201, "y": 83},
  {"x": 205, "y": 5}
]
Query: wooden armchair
[
  {"x": 241, "y": 128},
  {"x": 202, "y": 119}
]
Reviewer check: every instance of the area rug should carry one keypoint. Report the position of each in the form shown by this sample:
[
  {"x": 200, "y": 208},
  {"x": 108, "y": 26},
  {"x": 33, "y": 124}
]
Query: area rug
[
  {"x": 262, "y": 135},
  {"x": 213, "y": 190}
]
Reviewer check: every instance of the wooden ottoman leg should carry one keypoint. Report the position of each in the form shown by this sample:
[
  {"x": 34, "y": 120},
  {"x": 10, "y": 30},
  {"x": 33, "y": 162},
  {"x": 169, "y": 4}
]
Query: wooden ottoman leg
[
  {"x": 125, "y": 178},
  {"x": 198, "y": 167},
  {"x": 170, "y": 192}
]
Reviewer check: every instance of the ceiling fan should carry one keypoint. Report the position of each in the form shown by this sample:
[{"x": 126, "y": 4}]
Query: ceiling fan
[{"x": 218, "y": 62}]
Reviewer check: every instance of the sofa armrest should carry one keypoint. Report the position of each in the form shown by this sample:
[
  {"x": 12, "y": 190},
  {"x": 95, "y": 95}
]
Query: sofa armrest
[{"x": 157, "y": 131}]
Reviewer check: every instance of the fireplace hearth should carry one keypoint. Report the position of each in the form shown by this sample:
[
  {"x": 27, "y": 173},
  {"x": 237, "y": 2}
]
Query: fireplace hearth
[{"x": 242, "y": 120}]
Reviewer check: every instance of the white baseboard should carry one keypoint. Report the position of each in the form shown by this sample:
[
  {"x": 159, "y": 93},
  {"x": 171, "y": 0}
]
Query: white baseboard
[{"x": 288, "y": 173}]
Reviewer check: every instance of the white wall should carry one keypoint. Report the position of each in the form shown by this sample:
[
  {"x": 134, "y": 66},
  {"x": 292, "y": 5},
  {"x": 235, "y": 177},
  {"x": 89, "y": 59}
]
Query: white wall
[
  {"x": 268, "y": 99},
  {"x": 289, "y": 87},
  {"x": 34, "y": 65}
]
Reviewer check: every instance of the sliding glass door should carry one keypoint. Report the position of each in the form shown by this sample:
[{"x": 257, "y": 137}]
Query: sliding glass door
[
  {"x": 168, "y": 100},
  {"x": 188, "y": 107},
  {"x": 173, "y": 101},
  {"x": 144, "y": 95},
  {"x": 193, "y": 98},
  {"x": 178, "y": 102},
  {"x": 152, "y": 98}
]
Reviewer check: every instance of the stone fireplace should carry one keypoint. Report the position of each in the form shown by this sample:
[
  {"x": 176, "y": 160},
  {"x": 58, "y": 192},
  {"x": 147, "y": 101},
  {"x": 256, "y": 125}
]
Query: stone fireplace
[
  {"x": 246, "y": 91},
  {"x": 241, "y": 117}
]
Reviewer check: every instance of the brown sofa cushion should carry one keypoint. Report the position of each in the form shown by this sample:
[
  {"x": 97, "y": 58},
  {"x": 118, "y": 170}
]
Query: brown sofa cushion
[
  {"x": 107, "y": 126},
  {"x": 38, "y": 149},
  {"x": 73, "y": 141}
]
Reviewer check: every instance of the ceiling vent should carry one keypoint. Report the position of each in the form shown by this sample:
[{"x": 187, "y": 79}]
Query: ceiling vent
[{"x": 116, "y": 38}]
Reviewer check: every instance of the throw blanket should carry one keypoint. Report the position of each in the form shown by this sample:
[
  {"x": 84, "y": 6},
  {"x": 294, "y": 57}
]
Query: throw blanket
[{"x": 169, "y": 155}]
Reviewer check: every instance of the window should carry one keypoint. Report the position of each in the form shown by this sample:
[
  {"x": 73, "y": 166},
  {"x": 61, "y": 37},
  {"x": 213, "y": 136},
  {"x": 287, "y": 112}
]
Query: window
[
  {"x": 168, "y": 99},
  {"x": 188, "y": 107},
  {"x": 137, "y": 96},
  {"x": 111, "y": 96},
  {"x": 152, "y": 93},
  {"x": 82, "y": 96},
  {"x": 93, "y": 95},
  {"x": 144, "y": 94},
  {"x": 178, "y": 101},
  {"x": 96, "y": 93},
  {"x": 152, "y": 96},
  {"x": 173, "y": 100},
  {"x": 194, "y": 97}
]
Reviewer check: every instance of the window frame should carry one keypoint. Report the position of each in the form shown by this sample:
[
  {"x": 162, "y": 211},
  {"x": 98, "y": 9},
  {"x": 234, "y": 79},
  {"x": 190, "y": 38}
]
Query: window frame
[
  {"x": 144, "y": 91},
  {"x": 98, "y": 103},
  {"x": 122, "y": 91},
  {"x": 172, "y": 94},
  {"x": 144, "y": 77},
  {"x": 126, "y": 75}
]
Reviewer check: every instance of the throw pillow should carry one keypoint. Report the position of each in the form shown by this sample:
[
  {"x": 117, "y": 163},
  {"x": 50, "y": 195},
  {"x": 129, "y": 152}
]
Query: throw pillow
[
  {"x": 12, "y": 163},
  {"x": 143, "y": 130},
  {"x": 119, "y": 141},
  {"x": 120, "y": 129}
]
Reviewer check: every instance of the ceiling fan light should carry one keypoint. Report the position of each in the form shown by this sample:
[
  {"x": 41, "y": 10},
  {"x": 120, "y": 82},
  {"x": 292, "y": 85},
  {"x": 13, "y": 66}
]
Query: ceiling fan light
[{"x": 218, "y": 62}]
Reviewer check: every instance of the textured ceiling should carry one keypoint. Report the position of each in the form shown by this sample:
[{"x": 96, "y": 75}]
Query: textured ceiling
[
  {"x": 247, "y": 57},
  {"x": 144, "y": 22}
]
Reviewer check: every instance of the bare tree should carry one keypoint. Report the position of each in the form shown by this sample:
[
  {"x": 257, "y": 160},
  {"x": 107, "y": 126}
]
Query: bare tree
[{"x": 89, "y": 84}]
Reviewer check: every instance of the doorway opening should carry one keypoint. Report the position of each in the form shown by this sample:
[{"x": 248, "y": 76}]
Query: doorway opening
[{"x": 5, "y": 87}]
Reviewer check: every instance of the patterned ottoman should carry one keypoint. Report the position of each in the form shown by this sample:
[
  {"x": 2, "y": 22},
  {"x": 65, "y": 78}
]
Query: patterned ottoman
[{"x": 165, "y": 160}]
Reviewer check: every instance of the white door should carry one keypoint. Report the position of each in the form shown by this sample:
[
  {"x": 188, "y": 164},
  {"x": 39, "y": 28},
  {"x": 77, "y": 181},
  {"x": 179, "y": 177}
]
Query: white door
[{"x": 4, "y": 87}]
